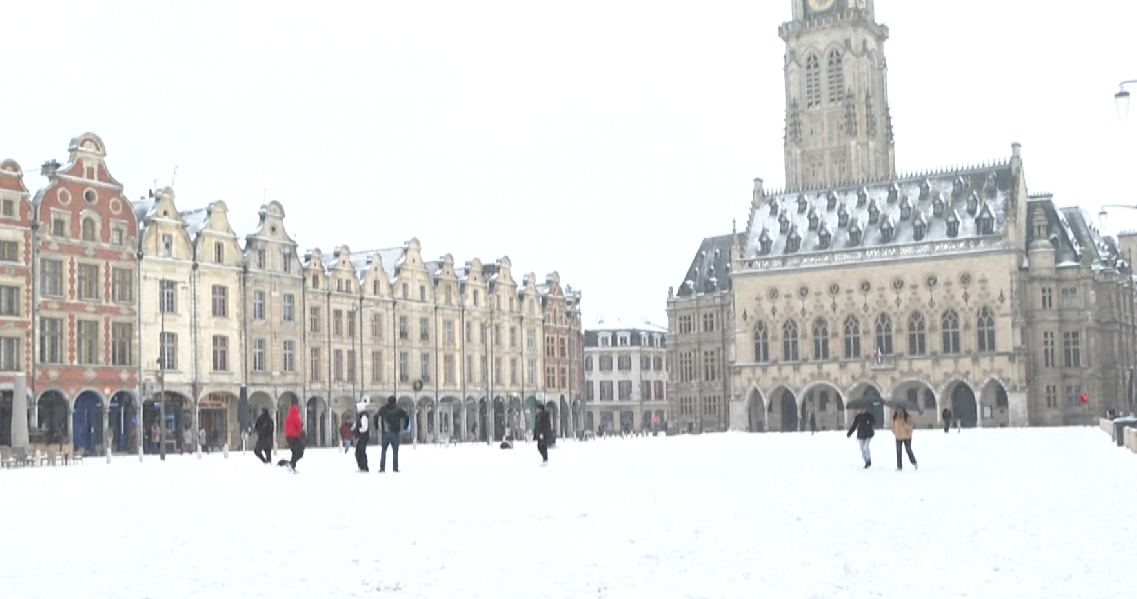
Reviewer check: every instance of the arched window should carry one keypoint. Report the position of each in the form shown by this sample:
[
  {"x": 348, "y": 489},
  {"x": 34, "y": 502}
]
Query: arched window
[
  {"x": 820, "y": 339},
  {"x": 836, "y": 72},
  {"x": 812, "y": 81},
  {"x": 789, "y": 342},
  {"x": 761, "y": 343},
  {"x": 950, "y": 325},
  {"x": 88, "y": 229},
  {"x": 986, "y": 328},
  {"x": 917, "y": 335},
  {"x": 884, "y": 334},
  {"x": 852, "y": 338}
]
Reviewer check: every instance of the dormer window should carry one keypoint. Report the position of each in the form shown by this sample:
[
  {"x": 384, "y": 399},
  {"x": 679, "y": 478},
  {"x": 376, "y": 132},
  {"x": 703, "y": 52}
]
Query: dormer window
[
  {"x": 802, "y": 204},
  {"x": 986, "y": 221},
  {"x": 855, "y": 233},
  {"x": 957, "y": 187},
  {"x": 773, "y": 208},
  {"x": 831, "y": 201},
  {"x": 167, "y": 245},
  {"x": 905, "y": 209},
  {"x": 339, "y": 284},
  {"x": 765, "y": 243},
  {"x": 973, "y": 203},
  {"x": 862, "y": 197},
  {"x": 925, "y": 190},
  {"x": 919, "y": 227},
  {"x": 824, "y": 237},
  {"x": 893, "y": 193},
  {"x": 793, "y": 242},
  {"x": 315, "y": 282},
  {"x": 992, "y": 186},
  {"x": 783, "y": 223},
  {"x": 886, "y": 230},
  {"x": 813, "y": 219},
  {"x": 953, "y": 224},
  {"x": 1040, "y": 224},
  {"x": 843, "y": 216},
  {"x": 938, "y": 206},
  {"x": 874, "y": 213}
]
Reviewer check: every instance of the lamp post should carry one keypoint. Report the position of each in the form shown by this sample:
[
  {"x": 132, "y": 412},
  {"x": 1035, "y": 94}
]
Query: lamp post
[
  {"x": 1121, "y": 98},
  {"x": 1103, "y": 215}
]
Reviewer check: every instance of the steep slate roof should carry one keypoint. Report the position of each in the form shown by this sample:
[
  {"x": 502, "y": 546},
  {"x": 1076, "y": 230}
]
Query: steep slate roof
[
  {"x": 710, "y": 270},
  {"x": 1071, "y": 232},
  {"x": 966, "y": 194},
  {"x": 620, "y": 325}
]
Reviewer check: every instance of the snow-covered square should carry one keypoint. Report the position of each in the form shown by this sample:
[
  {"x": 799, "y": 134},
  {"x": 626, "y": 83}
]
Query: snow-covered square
[{"x": 991, "y": 513}]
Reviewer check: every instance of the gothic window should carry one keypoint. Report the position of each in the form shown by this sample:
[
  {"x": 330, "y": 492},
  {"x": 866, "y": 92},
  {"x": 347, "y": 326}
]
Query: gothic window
[
  {"x": 820, "y": 339},
  {"x": 852, "y": 338},
  {"x": 88, "y": 231},
  {"x": 950, "y": 326},
  {"x": 761, "y": 343},
  {"x": 812, "y": 82},
  {"x": 884, "y": 334},
  {"x": 836, "y": 72},
  {"x": 789, "y": 342},
  {"x": 917, "y": 335},
  {"x": 986, "y": 328}
]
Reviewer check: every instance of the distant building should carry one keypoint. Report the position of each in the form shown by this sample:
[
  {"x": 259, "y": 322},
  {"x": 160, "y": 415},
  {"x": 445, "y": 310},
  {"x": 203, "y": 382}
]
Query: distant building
[{"x": 625, "y": 377}]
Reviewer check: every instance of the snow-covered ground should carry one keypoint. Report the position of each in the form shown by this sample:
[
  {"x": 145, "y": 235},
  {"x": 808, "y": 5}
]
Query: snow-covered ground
[{"x": 1047, "y": 513}]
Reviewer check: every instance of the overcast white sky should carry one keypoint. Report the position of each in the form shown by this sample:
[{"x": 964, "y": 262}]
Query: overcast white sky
[{"x": 602, "y": 139}]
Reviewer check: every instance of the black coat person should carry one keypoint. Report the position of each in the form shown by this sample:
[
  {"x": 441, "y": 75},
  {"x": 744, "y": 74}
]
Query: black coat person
[
  {"x": 362, "y": 434},
  {"x": 947, "y": 419},
  {"x": 543, "y": 432},
  {"x": 264, "y": 428},
  {"x": 394, "y": 421}
]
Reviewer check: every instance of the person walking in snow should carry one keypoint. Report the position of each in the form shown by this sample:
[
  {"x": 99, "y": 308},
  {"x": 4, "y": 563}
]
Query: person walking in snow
[
  {"x": 902, "y": 430},
  {"x": 394, "y": 420},
  {"x": 812, "y": 423},
  {"x": 294, "y": 434},
  {"x": 543, "y": 431},
  {"x": 863, "y": 425},
  {"x": 947, "y": 420},
  {"x": 347, "y": 432},
  {"x": 264, "y": 428},
  {"x": 362, "y": 433}
]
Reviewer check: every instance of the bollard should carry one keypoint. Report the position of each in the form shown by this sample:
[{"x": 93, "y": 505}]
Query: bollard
[
  {"x": 108, "y": 455},
  {"x": 140, "y": 448},
  {"x": 225, "y": 451}
]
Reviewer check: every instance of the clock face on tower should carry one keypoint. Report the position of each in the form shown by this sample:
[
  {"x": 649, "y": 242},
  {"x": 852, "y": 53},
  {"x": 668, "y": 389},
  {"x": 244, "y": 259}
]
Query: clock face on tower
[{"x": 820, "y": 5}]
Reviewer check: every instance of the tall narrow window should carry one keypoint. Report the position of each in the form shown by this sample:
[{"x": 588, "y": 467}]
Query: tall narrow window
[
  {"x": 289, "y": 308},
  {"x": 168, "y": 351},
  {"x": 812, "y": 82},
  {"x": 259, "y": 346},
  {"x": 88, "y": 231},
  {"x": 1049, "y": 355},
  {"x": 852, "y": 338},
  {"x": 220, "y": 353},
  {"x": 258, "y": 305},
  {"x": 790, "y": 342},
  {"x": 820, "y": 339},
  {"x": 884, "y": 334},
  {"x": 87, "y": 347},
  {"x": 122, "y": 341},
  {"x": 836, "y": 74},
  {"x": 985, "y": 326},
  {"x": 917, "y": 335},
  {"x": 950, "y": 326},
  {"x": 288, "y": 364}
]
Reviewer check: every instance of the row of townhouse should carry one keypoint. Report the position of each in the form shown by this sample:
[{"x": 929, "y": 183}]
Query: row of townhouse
[{"x": 104, "y": 301}]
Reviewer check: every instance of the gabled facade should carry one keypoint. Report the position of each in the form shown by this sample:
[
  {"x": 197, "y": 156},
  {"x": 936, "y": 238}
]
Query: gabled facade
[
  {"x": 625, "y": 378},
  {"x": 86, "y": 365},
  {"x": 15, "y": 287},
  {"x": 273, "y": 303}
]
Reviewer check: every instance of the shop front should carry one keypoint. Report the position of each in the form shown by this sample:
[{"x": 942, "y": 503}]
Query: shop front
[{"x": 214, "y": 418}]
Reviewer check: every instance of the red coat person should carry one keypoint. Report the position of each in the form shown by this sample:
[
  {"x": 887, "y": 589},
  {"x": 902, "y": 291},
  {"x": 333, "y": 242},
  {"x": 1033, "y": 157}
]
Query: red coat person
[{"x": 293, "y": 426}]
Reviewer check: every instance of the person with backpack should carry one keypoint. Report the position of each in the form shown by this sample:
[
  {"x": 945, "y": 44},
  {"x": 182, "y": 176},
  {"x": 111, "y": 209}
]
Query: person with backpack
[
  {"x": 543, "y": 432},
  {"x": 264, "y": 428},
  {"x": 362, "y": 435},
  {"x": 394, "y": 420},
  {"x": 863, "y": 425}
]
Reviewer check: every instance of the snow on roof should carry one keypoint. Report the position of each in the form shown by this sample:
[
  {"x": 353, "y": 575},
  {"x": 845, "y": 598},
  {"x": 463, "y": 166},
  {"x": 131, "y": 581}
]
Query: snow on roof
[
  {"x": 621, "y": 325},
  {"x": 195, "y": 220}
]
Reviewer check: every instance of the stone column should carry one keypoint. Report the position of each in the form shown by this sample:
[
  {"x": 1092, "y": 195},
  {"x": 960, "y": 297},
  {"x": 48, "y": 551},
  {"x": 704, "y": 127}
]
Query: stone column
[{"x": 20, "y": 439}]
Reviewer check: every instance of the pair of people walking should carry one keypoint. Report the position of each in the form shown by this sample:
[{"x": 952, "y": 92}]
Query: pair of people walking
[
  {"x": 864, "y": 425},
  {"x": 293, "y": 434},
  {"x": 393, "y": 421}
]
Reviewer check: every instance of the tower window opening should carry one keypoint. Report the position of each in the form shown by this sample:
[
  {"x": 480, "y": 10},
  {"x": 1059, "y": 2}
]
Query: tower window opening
[
  {"x": 836, "y": 72},
  {"x": 812, "y": 82}
]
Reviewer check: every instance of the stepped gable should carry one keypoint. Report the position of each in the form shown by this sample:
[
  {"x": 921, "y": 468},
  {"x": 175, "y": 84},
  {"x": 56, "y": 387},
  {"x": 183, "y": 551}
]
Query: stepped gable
[
  {"x": 710, "y": 270},
  {"x": 957, "y": 204}
]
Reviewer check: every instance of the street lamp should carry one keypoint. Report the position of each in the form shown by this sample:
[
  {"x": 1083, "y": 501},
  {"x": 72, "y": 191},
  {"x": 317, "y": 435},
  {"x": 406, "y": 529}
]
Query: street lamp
[
  {"x": 1121, "y": 98},
  {"x": 1103, "y": 216}
]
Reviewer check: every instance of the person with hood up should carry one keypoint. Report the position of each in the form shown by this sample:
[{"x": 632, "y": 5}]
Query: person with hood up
[
  {"x": 902, "y": 430},
  {"x": 294, "y": 434},
  {"x": 264, "y": 428},
  {"x": 542, "y": 432},
  {"x": 863, "y": 425},
  {"x": 346, "y": 434},
  {"x": 362, "y": 433},
  {"x": 394, "y": 420}
]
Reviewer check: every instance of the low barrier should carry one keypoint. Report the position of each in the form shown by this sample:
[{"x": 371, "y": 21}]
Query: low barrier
[
  {"x": 1106, "y": 425},
  {"x": 1131, "y": 439}
]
